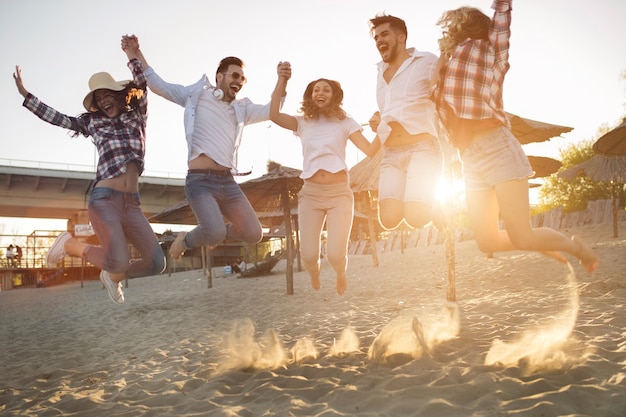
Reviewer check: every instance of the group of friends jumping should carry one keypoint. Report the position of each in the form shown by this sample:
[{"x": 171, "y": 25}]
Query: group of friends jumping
[{"x": 424, "y": 101}]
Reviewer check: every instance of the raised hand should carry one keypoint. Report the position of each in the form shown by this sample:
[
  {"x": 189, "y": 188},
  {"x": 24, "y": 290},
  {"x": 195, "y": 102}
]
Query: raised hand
[
  {"x": 284, "y": 70},
  {"x": 374, "y": 121},
  {"x": 17, "y": 76}
]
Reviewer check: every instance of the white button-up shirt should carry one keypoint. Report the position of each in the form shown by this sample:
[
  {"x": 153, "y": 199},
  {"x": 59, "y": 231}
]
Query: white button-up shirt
[
  {"x": 406, "y": 98},
  {"x": 246, "y": 112}
]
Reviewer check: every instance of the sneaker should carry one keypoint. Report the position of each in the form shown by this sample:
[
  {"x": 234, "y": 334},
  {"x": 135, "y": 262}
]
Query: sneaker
[
  {"x": 56, "y": 253},
  {"x": 114, "y": 288}
]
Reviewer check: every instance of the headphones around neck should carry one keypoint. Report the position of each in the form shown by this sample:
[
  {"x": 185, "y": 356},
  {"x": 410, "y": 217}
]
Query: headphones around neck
[{"x": 218, "y": 93}]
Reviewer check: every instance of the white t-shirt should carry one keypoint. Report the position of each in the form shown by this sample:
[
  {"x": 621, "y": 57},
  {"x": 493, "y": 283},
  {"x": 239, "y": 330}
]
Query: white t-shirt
[{"x": 324, "y": 143}]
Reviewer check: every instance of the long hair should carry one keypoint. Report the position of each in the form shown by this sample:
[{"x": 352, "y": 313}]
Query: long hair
[
  {"x": 128, "y": 98},
  {"x": 312, "y": 111},
  {"x": 461, "y": 24},
  {"x": 132, "y": 94}
]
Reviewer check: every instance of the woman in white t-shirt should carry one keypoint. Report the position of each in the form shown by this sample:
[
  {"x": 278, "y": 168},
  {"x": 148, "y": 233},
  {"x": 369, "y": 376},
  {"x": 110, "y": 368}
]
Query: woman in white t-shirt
[{"x": 324, "y": 130}]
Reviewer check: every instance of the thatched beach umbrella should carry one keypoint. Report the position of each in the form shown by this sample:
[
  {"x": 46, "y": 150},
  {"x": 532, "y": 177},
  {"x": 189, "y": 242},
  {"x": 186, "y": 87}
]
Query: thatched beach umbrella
[
  {"x": 530, "y": 131},
  {"x": 179, "y": 213},
  {"x": 543, "y": 166},
  {"x": 274, "y": 191},
  {"x": 602, "y": 168},
  {"x": 364, "y": 184},
  {"x": 608, "y": 165},
  {"x": 612, "y": 143}
]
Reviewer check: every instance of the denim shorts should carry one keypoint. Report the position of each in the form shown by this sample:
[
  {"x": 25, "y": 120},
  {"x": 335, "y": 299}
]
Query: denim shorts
[
  {"x": 494, "y": 157},
  {"x": 411, "y": 173}
]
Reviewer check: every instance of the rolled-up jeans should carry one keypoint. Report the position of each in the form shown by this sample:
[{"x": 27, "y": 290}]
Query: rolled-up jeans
[
  {"x": 215, "y": 197},
  {"x": 117, "y": 218}
]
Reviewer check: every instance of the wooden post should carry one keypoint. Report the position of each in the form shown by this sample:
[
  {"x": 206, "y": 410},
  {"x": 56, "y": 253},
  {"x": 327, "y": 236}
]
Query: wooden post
[
  {"x": 614, "y": 208},
  {"x": 288, "y": 233},
  {"x": 206, "y": 260},
  {"x": 298, "y": 257},
  {"x": 371, "y": 213}
]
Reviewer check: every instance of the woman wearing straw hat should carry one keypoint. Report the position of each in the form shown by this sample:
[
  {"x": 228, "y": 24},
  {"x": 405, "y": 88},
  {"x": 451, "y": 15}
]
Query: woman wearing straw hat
[{"x": 116, "y": 122}]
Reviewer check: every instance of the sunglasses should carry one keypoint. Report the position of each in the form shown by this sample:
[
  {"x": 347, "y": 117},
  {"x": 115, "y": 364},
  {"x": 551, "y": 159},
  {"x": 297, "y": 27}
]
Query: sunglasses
[{"x": 236, "y": 76}]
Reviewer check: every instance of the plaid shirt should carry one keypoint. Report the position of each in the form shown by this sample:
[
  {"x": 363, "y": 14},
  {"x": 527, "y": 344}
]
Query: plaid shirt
[
  {"x": 470, "y": 83},
  {"x": 119, "y": 140}
]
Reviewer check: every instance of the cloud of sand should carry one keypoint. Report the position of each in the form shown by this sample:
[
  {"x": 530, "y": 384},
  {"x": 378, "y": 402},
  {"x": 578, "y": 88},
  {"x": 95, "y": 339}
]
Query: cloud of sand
[
  {"x": 241, "y": 350},
  {"x": 414, "y": 336},
  {"x": 304, "y": 349},
  {"x": 541, "y": 347},
  {"x": 348, "y": 342}
]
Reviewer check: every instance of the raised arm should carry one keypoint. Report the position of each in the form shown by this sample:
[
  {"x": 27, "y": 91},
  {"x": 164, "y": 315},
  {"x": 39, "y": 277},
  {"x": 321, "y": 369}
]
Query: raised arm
[
  {"x": 17, "y": 76},
  {"x": 172, "y": 92},
  {"x": 281, "y": 119},
  {"x": 45, "y": 112},
  {"x": 130, "y": 45}
]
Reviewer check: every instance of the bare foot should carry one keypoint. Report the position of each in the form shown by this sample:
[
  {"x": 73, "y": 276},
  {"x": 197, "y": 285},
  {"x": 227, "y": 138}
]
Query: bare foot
[
  {"x": 342, "y": 284},
  {"x": 177, "y": 249},
  {"x": 586, "y": 255},
  {"x": 315, "y": 283},
  {"x": 555, "y": 255}
]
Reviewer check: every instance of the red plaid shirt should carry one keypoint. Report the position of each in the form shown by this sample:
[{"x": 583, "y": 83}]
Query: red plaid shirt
[
  {"x": 470, "y": 83},
  {"x": 119, "y": 140}
]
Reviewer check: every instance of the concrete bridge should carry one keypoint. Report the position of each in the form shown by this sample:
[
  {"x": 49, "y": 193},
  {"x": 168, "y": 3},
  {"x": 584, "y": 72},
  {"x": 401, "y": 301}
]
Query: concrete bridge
[{"x": 61, "y": 191}]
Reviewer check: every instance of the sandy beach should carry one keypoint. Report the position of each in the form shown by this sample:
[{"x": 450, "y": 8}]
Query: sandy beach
[{"x": 527, "y": 336}]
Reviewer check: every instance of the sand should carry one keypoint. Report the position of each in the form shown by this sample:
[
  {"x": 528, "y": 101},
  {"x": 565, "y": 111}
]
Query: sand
[{"x": 527, "y": 336}]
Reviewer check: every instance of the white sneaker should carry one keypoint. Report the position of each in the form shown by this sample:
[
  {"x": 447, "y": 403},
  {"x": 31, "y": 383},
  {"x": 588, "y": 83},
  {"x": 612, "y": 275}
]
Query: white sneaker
[
  {"x": 114, "y": 289},
  {"x": 56, "y": 253}
]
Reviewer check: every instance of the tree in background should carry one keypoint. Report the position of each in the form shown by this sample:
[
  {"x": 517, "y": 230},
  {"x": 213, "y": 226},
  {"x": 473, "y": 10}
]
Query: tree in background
[{"x": 573, "y": 195}]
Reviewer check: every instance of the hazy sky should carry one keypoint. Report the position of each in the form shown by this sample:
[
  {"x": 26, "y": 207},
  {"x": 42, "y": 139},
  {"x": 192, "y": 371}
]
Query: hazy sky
[{"x": 567, "y": 59}]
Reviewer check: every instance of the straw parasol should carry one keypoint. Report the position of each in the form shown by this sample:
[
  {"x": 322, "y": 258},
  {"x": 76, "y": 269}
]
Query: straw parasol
[
  {"x": 274, "y": 191},
  {"x": 602, "y": 168},
  {"x": 530, "y": 131},
  {"x": 612, "y": 143},
  {"x": 543, "y": 166},
  {"x": 608, "y": 165}
]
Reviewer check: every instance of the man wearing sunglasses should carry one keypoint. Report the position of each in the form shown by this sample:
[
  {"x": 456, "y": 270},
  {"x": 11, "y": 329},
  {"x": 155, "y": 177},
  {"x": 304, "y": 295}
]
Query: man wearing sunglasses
[{"x": 214, "y": 120}]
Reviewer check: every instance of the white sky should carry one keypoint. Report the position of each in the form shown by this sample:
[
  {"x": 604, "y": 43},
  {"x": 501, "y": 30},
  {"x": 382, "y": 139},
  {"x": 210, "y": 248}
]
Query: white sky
[{"x": 566, "y": 63}]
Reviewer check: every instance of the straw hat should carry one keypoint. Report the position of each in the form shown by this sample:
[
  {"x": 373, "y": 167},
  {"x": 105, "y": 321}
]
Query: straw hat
[{"x": 101, "y": 81}]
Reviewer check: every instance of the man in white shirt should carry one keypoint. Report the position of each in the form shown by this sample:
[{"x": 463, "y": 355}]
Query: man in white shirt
[
  {"x": 214, "y": 120},
  {"x": 407, "y": 126}
]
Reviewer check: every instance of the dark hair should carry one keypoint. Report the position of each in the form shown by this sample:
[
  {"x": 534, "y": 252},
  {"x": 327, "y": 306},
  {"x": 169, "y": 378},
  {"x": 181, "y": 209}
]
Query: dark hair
[
  {"x": 128, "y": 97},
  {"x": 398, "y": 25},
  {"x": 312, "y": 111},
  {"x": 226, "y": 62}
]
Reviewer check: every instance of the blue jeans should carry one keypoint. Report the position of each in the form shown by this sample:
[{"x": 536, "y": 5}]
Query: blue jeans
[
  {"x": 116, "y": 218},
  {"x": 213, "y": 198}
]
